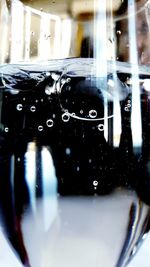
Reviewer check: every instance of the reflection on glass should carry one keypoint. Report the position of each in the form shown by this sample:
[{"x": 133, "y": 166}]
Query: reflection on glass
[{"x": 74, "y": 131}]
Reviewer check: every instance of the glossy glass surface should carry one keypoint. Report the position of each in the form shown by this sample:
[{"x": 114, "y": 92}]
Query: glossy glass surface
[{"x": 74, "y": 131}]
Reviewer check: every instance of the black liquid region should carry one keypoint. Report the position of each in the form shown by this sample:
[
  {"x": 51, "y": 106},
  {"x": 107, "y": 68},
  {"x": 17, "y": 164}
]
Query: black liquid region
[{"x": 91, "y": 166}]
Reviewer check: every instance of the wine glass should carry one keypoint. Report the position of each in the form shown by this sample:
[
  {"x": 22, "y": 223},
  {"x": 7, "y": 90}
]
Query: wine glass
[{"x": 74, "y": 132}]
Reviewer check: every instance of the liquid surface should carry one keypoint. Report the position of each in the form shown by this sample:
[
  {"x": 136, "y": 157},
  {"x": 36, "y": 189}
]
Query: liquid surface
[{"x": 70, "y": 162}]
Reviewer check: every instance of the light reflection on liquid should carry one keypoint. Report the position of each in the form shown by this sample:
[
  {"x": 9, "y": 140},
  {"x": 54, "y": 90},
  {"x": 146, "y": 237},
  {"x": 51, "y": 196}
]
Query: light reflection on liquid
[{"x": 82, "y": 231}]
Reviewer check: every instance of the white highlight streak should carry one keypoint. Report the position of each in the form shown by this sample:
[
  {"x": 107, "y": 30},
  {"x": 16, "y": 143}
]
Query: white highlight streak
[
  {"x": 27, "y": 34},
  {"x": 136, "y": 126},
  {"x": 44, "y": 42},
  {"x": 100, "y": 50},
  {"x": 116, "y": 122},
  {"x": 49, "y": 188},
  {"x": 30, "y": 173},
  {"x": 17, "y": 13}
]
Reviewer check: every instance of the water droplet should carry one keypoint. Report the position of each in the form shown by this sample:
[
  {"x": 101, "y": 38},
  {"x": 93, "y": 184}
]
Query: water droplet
[
  {"x": 118, "y": 32},
  {"x": 111, "y": 40},
  {"x": 18, "y": 159},
  {"x": 24, "y": 99},
  {"x": 50, "y": 123},
  {"x": 66, "y": 117},
  {"x": 42, "y": 100},
  {"x": 47, "y": 36},
  {"x": 90, "y": 160},
  {"x": 95, "y": 183},
  {"x": 33, "y": 108},
  {"x": 101, "y": 127},
  {"x": 68, "y": 151},
  {"x": 81, "y": 111},
  {"x": 6, "y": 129},
  {"x": 19, "y": 107},
  {"x": 40, "y": 128},
  {"x": 93, "y": 113}
]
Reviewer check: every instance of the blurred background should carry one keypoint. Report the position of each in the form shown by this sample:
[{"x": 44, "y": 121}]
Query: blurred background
[{"x": 50, "y": 29}]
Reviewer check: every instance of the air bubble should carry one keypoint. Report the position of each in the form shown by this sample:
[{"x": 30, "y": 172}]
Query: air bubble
[
  {"x": 93, "y": 113},
  {"x": 48, "y": 90},
  {"x": 127, "y": 108},
  {"x": 33, "y": 108},
  {"x": 95, "y": 183},
  {"x": 68, "y": 151},
  {"x": 6, "y": 129},
  {"x": 101, "y": 127},
  {"x": 78, "y": 168},
  {"x": 65, "y": 117},
  {"x": 40, "y": 128},
  {"x": 50, "y": 123},
  {"x": 19, "y": 107}
]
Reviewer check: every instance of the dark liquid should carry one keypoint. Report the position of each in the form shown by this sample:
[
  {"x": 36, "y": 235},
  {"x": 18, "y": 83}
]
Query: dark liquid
[{"x": 41, "y": 110}]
